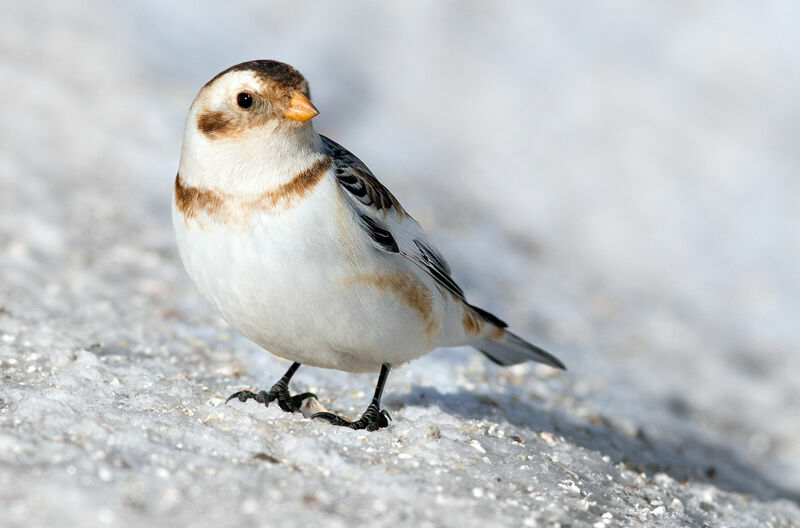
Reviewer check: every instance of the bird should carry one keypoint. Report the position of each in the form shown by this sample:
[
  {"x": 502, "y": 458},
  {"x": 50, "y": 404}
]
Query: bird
[{"x": 302, "y": 250}]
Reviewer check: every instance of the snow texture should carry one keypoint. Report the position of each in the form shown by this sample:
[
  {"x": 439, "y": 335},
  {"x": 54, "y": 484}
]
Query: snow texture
[{"x": 621, "y": 184}]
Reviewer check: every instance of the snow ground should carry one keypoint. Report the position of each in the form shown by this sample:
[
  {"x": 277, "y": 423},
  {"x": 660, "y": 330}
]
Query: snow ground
[{"x": 622, "y": 183}]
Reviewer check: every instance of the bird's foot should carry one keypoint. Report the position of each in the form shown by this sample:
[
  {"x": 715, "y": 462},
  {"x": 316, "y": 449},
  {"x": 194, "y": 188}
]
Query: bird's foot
[
  {"x": 373, "y": 419},
  {"x": 279, "y": 392}
]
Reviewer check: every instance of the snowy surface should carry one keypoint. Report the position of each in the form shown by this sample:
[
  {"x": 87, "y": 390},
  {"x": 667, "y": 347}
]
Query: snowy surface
[{"x": 622, "y": 185}]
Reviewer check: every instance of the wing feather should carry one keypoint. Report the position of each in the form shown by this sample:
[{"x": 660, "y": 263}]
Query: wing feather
[
  {"x": 358, "y": 180},
  {"x": 392, "y": 230},
  {"x": 389, "y": 226}
]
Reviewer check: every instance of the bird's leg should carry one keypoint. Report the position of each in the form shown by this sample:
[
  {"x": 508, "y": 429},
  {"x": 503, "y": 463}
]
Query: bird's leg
[
  {"x": 373, "y": 418},
  {"x": 279, "y": 392}
]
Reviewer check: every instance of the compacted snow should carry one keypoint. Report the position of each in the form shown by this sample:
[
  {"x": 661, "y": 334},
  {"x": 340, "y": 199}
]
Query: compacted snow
[{"x": 620, "y": 185}]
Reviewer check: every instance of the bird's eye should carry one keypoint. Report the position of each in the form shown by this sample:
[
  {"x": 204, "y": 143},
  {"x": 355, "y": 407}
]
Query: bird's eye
[{"x": 244, "y": 99}]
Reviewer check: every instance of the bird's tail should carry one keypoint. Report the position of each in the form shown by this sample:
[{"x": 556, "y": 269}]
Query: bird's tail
[{"x": 510, "y": 349}]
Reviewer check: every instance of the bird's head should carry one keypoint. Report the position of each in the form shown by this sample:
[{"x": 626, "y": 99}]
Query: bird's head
[
  {"x": 252, "y": 111},
  {"x": 251, "y": 95}
]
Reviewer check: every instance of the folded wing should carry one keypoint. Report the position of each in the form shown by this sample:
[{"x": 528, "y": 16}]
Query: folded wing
[{"x": 391, "y": 229}]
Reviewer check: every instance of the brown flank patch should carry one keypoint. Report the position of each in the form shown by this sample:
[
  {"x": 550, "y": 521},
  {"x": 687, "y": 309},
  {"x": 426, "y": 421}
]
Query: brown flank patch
[
  {"x": 496, "y": 332},
  {"x": 413, "y": 293},
  {"x": 472, "y": 322}
]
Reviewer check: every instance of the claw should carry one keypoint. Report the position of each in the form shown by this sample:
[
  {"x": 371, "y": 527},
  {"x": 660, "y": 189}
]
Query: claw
[
  {"x": 293, "y": 403},
  {"x": 372, "y": 419},
  {"x": 242, "y": 396},
  {"x": 331, "y": 418},
  {"x": 278, "y": 392}
]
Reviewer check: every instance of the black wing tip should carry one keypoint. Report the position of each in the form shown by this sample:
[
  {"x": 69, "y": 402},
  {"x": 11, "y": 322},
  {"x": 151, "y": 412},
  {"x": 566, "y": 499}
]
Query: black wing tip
[
  {"x": 551, "y": 360},
  {"x": 555, "y": 362},
  {"x": 490, "y": 317},
  {"x": 546, "y": 358},
  {"x": 514, "y": 350}
]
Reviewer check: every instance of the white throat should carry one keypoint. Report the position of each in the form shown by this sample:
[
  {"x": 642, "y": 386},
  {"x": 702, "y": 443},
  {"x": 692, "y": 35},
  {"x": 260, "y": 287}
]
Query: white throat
[{"x": 254, "y": 161}]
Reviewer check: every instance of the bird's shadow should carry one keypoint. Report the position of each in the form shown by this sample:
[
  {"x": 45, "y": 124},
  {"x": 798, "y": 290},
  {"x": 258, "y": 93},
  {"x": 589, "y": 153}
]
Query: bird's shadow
[{"x": 687, "y": 458}]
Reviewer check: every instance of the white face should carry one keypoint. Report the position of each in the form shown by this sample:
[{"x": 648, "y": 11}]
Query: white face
[
  {"x": 242, "y": 99},
  {"x": 255, "y": 114}
]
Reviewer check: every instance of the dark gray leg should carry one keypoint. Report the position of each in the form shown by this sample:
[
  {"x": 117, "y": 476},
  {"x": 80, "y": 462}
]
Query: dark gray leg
[
  {"x": 279, "y": 392},
  {"x": 373, "y": 418}
]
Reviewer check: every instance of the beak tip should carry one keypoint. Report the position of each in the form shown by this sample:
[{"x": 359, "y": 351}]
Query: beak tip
[{"x": 300, "y": 108}]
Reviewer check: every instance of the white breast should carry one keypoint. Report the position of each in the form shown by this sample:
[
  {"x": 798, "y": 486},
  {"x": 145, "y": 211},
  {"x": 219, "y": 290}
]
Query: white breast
[{"x": 304, "y": 283}]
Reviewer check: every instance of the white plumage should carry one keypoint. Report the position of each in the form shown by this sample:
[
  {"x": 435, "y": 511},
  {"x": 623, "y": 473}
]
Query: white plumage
[{"x": 299, "y": 246}]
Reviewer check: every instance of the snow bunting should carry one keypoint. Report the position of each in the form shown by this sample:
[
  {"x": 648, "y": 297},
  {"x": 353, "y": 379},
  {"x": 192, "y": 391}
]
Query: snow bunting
[{"x": 302, "y": 250}]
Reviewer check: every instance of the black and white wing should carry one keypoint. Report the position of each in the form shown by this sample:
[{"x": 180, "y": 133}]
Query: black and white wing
[
  {"x": 389, "y": 226},
  {"x": 359, "y": 182},
  {"x": 392, "y": 230}
]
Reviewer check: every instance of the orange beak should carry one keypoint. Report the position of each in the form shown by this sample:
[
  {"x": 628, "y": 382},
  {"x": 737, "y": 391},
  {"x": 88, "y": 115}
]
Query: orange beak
[{"x": 300, "y": 108}]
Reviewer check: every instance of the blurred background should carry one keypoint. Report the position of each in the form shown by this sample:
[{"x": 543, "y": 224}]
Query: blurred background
[{"x": 621, "y": 183}]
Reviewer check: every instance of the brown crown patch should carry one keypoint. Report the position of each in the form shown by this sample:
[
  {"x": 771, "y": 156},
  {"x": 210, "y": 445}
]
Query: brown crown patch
[
  {"x": 271, "y": 72},
  {"x": 408, "y": 288},
  {"x": 224, "y": 207}
]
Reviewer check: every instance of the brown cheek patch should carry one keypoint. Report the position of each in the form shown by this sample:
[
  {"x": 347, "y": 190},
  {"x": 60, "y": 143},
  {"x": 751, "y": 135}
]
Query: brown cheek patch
[
  {"x": 405, "y": 286},
  {"x": 214, "y": 124}
]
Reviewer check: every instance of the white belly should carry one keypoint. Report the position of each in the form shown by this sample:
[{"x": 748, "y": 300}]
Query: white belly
[{"x": 306, "y": 285}]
